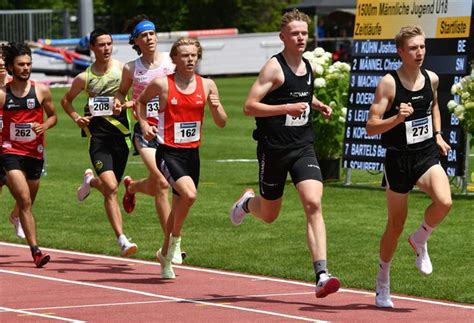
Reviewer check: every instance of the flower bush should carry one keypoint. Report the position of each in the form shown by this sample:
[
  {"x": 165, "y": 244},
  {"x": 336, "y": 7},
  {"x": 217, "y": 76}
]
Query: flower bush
[
  {"x": 464, "y": 108},
  {"x": 331, "y": 86}
]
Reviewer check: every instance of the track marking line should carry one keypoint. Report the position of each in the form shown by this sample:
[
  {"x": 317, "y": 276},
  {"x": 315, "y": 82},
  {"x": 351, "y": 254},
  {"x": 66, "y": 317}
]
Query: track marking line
[
  {"x": 156, "y": 302},
  {"x": 26, "y": 313},
  {"x": 177, "y": 299},
  {"x": 233, "y": 274}
]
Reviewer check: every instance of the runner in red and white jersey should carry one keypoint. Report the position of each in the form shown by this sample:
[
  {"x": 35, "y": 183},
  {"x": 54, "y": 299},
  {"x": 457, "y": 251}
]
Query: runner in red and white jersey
[
  {"x": 21, "y": 155},
  {"x": 182, "y": 122},
  {"x": 182, "y": 100}
]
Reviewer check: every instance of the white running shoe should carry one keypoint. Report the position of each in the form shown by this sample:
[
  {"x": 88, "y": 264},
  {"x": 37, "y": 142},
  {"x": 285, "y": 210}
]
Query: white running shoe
[
  {"x": 166, "y": 266},
  {"x": 382, "y": 296},
  {"x": 423, "y": 262},
  {"x": 175, "y": 250},
  {"x": 18, "y": 228},
  {"x": 327, "y": 285},
  {"x": 85, "y": 189},
  {"x": 127, "y": 248},
  {"x": 237, "y": 213}
]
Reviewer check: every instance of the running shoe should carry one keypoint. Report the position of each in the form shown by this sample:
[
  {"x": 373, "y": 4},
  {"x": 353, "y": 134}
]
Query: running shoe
[
  {"x": 175, "y": 250},
  {"x": 41, "y": 258},
  {"x": 129, "y": 200},
  {"x": 166, "y": 266},
  {"x": 127, "y": 248},
  {"x": 382, "y": 296},
  {"x": 237, "y": 213},
  {"x": 423, "y": 262},
  {"x": 327, "y": 285},
  {"x": 85, "y": 189},
  {"x": 17, "y": 224}
]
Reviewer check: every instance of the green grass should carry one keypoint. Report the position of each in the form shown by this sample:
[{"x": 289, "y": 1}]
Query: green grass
[{"x": 355, "y": 216}]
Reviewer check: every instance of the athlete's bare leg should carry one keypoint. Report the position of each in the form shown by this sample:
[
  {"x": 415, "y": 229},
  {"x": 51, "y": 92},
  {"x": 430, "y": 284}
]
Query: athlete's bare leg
[{"x": 107, "y": 184}]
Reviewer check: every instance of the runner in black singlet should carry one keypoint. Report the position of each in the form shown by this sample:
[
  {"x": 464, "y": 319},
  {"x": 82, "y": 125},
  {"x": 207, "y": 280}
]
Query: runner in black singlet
[
  {"x": 405, "y": 111},
  {"x": 282, "y": 102}
]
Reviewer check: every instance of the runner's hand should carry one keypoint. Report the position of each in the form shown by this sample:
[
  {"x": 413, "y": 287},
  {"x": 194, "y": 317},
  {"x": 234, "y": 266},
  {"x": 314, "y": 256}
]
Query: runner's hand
[
  {"x": 296, "y": 109},
  {"x": 149, "y": 132}
]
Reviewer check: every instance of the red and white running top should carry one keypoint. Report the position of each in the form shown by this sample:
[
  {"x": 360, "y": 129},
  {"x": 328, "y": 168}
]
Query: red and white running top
[
  {"x": 19, "y": 114},
  {"x": 181, "y": 121}
]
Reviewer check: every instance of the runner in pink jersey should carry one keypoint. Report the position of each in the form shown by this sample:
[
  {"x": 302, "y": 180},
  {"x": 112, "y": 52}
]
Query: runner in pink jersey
[{"x": 137, "y": 74}]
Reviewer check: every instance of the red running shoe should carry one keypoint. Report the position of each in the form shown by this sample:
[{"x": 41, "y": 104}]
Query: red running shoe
[
  {"x": 128, "y": 200},
  {"x": 41, "y": 258},
  {"x": 327, "y": 285}
]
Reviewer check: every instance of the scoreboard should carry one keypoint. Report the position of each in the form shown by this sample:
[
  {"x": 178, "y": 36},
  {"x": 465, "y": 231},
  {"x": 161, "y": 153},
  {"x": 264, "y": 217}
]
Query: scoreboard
[{"x": 447, "y": 25}]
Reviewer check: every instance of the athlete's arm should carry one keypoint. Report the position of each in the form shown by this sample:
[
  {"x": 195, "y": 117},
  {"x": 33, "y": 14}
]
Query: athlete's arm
[
  {"x": 270, "y": 78},
  {"x": 2, "y": 97},
  {"x": 156, "y": 87},
  {"x": 384, "y": 95},
  {"x": 48, "y": 107},
  {"x": 124, "y": 87},
  {"x": 324, "y": 109},
  {"x": 442, "y": 145},
  {"x": 215, "y": 105},
  {"x": 78, "y": 84}
]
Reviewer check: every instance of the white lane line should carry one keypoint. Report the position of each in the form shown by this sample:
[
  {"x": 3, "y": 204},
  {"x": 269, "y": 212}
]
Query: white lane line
[
  {"x": 53, "y": 317},
  {"x": 162, "y": 301},
  {"x": 213, "y": 271},
  {"x": 177, "y": 299}
]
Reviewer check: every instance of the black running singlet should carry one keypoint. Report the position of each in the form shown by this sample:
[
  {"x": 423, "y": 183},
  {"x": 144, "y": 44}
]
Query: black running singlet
[
  {"x": 417, "y": 130},
  {"x": 285, "y": 131}
]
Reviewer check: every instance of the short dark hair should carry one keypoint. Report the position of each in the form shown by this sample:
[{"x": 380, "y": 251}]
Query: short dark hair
[
  {"x": 130, "y": 26},
  {"x": 12, "y": 50},
  {"x": 96, "y": 33}
]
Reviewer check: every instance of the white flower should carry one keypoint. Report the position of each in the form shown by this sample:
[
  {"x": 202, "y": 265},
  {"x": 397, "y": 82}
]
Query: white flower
[
  {"x": 308, "y": 55},
  {"x": 319, "y": 82},
  {"x": 451, "y": 105},
  {"x": 455, "y": 88},
  {"x": 459, "y": 110},
  {"x": 318, "y": 69},
  {"x": 344, "y": 112},
  {"x": 318, "y": 52},
  {"x": 328, "y": 56},
  {"x": 342, "y": 119},
  {"x": 320, "y": 61}
]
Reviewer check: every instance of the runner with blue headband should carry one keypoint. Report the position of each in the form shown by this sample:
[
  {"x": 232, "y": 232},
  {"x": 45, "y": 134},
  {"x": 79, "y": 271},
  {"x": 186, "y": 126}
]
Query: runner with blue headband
[
  {"x": 137, "y": 74},
  {"x": 141, "y": 27}
]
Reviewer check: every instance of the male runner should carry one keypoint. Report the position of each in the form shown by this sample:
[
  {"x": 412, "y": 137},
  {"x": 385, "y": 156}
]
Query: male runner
[
  {"x": 23, "y": 104},
  {"x": 405, "y": 111},
  {"x": 109, "y": 134},
  {"x": 182, "y": 98}
]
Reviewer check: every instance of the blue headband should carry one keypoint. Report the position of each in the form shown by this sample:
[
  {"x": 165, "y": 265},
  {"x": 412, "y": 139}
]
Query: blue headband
[{"x": 141, "y": 27}]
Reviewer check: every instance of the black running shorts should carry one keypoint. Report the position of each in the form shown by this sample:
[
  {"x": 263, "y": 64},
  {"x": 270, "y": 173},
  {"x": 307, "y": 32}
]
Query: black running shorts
[
  {"x": 175, "y": 163},
  {"x": 404, "y": 168},
  {"x": 139, "y": 140},
  {"x": 32, "y": 167},
  {"x": 274, "y": 166},
  {"x": 109, "y": 153}
]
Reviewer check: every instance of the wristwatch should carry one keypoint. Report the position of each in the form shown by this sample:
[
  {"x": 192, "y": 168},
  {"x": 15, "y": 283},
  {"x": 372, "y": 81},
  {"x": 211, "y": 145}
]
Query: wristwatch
[{"x": 438, "y": 132}]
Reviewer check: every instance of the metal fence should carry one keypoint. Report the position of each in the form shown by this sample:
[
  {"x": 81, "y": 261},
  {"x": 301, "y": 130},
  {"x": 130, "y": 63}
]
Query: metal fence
[{"x": 26, "y": 25}]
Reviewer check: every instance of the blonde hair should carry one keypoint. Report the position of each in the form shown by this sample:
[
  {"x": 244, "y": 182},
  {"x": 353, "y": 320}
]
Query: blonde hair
[
  {"x": 184, "y": 41},
  {"x": 407, "y": 32},
  {"x": 294, "y": 15}
]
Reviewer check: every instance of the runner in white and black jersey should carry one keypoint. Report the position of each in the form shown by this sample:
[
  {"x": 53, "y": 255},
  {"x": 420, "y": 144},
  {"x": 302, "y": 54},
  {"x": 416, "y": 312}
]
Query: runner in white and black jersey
[
  {"x": 405, "y": 111},
  {"x": 282, "y": 101}
]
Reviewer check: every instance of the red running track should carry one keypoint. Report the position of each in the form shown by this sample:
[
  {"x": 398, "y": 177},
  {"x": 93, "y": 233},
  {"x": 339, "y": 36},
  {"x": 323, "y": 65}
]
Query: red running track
[{"x": 78, "y": 287}]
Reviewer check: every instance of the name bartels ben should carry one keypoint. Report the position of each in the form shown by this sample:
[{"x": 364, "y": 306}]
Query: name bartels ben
[{"x": 447, "y": 26}]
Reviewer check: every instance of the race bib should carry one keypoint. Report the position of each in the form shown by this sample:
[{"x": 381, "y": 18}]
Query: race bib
[
  {"x": 152, "y": 108},
  {"x": 22, "y": 132},
  {"x": 187, "y": 131},
  {"x": 419, "y": 130},
  {"x": 298, "y": 121},
  {"x": 101, "y": 106}
]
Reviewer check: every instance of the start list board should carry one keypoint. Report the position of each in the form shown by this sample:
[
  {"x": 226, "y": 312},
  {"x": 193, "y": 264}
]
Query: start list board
[{"x": 447, "y": 26}]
